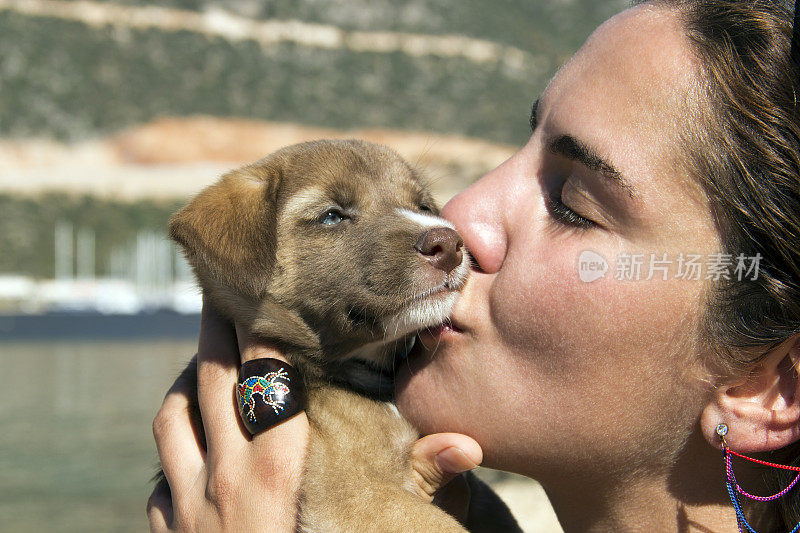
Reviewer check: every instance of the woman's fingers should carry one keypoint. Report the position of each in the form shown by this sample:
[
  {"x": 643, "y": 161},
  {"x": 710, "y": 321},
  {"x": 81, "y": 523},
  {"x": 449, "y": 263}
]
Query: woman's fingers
[
  {"x": 159, "y": 507},
  {"x": 286, "y": 442},
  {"x": 438, "y": 458},
  {"x": 437, "y": 461},
  {"x": 239, "y": 484},
  {"x": 217, "y": 370},
  {"x": 250, "y": 349},
  {"x": 179, "y": 446}
]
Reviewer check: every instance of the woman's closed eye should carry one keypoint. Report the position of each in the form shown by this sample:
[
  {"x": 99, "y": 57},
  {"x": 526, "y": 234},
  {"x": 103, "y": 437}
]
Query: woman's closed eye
[{"x": 564, "y": 214}]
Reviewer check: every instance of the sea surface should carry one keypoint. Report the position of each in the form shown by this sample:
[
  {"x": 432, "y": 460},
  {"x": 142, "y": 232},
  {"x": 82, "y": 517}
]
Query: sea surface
[{"x": 76, "y": 445}]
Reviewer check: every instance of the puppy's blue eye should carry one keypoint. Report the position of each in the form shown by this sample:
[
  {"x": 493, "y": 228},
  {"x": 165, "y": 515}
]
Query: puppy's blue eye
[{"x": 331, "y": 218}]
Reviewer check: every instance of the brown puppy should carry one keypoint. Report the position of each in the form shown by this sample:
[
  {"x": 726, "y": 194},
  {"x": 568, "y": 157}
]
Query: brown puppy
[{"x": 333, "y": 251}]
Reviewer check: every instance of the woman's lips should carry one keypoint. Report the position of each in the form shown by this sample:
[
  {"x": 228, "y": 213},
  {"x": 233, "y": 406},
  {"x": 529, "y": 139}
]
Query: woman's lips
[
  {"x": 424, "y": 349},
  {"x": 428, "y": 337},
  {"x": 441, "y": 331}
]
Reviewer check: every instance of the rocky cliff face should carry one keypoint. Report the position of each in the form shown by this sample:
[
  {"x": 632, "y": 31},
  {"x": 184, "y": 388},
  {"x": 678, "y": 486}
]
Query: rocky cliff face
[
  {"x": 72, "y": 70},
  {"x": 111, "y": 112}
]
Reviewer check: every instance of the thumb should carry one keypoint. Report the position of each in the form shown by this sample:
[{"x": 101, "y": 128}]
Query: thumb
[{"x": 438, "y": 458}]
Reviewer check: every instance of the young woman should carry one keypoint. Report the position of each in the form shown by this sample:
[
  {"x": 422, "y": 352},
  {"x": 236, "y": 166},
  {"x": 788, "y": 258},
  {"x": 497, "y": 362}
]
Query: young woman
[{"x": 670, "y": 140}]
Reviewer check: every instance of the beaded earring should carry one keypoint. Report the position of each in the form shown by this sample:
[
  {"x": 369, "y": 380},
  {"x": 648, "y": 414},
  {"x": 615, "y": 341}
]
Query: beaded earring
[{"x": 734, "y": 490}]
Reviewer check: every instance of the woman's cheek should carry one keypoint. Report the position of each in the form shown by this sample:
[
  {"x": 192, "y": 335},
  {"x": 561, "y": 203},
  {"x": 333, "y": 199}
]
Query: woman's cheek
[
  {"x": 556, "y": 323},
  {"x": 541, "y": 308}
]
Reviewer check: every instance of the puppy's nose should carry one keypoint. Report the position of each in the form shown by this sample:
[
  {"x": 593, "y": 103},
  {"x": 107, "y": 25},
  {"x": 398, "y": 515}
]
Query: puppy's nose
[{"x": 442, "y": 247}]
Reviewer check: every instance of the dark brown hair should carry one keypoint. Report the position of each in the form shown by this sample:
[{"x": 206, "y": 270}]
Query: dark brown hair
[{"x": 745, "y": 150}]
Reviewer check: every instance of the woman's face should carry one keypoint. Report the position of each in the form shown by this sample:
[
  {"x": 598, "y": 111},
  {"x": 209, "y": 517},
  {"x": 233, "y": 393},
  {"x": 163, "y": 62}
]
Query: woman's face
[{"x": 546, "y": 369}]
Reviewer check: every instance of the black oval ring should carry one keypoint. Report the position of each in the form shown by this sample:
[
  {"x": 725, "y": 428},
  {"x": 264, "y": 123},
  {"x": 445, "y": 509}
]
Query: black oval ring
[{"x": 268, "y": 392}]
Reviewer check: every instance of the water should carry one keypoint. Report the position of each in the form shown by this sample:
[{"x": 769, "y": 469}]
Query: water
[{"x": 76, "y": 446}]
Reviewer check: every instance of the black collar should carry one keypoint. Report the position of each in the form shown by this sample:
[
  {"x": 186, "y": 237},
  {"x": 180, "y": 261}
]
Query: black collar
[{"x": 362, "y": 378}]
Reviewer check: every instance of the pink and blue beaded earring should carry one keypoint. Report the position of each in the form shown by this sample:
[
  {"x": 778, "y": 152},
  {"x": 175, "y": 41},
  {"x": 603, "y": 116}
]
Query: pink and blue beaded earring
[{"x": 734, "y": 490}]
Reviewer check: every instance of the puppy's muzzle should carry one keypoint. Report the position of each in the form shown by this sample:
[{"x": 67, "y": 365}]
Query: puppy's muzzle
[{"x": 442, "y": 248}]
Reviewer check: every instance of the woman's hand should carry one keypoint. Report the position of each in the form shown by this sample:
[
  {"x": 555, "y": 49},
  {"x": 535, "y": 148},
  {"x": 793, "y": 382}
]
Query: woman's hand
[
  {"x": 438, "y": 460},
  {"x": 239, "y": 482}
]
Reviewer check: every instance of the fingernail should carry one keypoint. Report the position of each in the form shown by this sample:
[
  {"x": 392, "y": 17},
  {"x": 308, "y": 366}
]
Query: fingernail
[
  {"x": 454, "y": 461},
  {"x": 260, "y": 350}
]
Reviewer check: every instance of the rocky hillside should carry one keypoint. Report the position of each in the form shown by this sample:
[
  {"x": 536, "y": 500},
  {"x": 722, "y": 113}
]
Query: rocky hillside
[
  {"x": 76, "y": 69},
  {"x": 112, "y": 112}
]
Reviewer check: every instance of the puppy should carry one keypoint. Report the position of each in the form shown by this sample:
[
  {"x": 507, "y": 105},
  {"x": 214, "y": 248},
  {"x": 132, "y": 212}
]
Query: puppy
[{"x": 333, "y": 251}]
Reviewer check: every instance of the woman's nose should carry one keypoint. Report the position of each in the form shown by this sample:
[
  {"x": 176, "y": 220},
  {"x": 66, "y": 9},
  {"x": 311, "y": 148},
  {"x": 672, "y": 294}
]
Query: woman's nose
[{"x": 478, "y": 215}]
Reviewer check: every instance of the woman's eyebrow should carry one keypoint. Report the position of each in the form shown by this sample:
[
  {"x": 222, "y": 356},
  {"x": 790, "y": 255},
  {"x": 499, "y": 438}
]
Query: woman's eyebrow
[
  {"x": 534, "y": 120},
  {"x": 574, "y": 150}
]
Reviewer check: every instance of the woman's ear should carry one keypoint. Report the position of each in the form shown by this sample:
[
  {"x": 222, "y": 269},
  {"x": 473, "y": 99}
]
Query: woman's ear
[{"x": 762, "y": 409}]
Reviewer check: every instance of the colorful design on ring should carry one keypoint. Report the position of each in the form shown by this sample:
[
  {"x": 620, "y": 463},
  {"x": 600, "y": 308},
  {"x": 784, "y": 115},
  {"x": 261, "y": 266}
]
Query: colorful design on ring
[{"x": 272, "y": 392}]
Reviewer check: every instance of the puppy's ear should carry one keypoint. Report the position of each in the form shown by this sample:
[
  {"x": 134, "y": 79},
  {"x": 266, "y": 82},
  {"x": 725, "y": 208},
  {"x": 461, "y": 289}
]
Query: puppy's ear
[{"x": 228, "y": 230}]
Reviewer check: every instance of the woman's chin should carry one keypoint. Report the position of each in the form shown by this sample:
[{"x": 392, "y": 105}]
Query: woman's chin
[
  {"x": 409, "y": 368},
  {"x": 420, "y": 387},
  {"x": 410, "y": 391}
]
